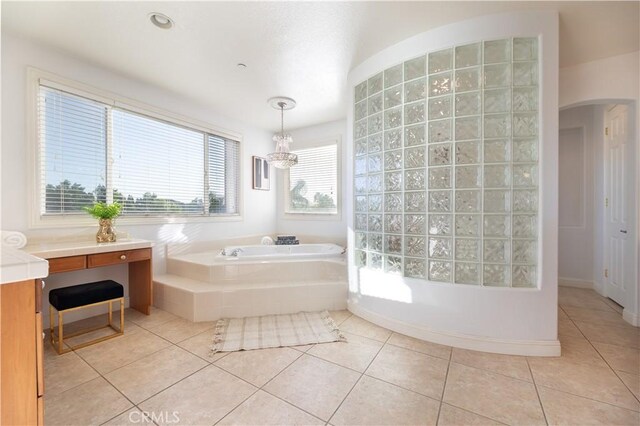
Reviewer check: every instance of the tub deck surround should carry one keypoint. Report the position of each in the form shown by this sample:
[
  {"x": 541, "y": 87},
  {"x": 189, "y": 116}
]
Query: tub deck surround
[{"x": 262, "y": 280}]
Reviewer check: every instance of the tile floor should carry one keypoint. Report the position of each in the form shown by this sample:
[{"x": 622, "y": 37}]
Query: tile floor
[{"x": 161, "y": 366}]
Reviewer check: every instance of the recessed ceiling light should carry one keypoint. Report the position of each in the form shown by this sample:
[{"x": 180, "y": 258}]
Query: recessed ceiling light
[{"x": 160, "y": 20}]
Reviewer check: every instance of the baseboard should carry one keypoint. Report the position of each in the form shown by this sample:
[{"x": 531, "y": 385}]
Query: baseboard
[
  {"x": 631, "y": 317},
  {"x": 574, "y": 282},
  {"x": 464, "y": 341}
]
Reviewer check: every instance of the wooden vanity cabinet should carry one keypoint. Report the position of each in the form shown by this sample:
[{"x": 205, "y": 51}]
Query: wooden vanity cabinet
[{"x": 21, "y": 353}]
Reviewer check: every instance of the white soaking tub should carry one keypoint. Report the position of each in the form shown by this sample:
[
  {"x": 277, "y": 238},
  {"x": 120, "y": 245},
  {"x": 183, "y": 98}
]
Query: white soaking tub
[{"x": 251, "y": 280}]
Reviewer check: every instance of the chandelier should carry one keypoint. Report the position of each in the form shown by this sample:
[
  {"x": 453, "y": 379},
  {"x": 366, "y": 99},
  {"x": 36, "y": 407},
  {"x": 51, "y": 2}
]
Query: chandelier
[{"x": 282, "y": 158}]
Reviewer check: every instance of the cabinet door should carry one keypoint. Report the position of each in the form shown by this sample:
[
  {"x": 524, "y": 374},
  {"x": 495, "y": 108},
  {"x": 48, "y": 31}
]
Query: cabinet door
[{"x": 18, "y": 387}]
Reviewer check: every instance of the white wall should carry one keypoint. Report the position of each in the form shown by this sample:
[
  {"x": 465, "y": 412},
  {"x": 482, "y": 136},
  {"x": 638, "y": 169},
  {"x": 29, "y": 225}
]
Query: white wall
[
  {"x": 610, "y": 80},
  {"x": 576, "y": 188},
  {"x": 317, "y": 227},
  {"x": 518, "y": 321},
  {"x": 259, "y": 215}
]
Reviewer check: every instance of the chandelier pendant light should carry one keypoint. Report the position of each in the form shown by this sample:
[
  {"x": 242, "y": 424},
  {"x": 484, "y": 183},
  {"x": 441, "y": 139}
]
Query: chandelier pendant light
[{"x": 282, "y": 158}]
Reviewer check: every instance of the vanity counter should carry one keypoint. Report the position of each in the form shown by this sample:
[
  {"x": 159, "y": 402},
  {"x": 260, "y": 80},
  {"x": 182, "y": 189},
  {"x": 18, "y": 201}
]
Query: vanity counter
[{"x": 16, "y": 265}]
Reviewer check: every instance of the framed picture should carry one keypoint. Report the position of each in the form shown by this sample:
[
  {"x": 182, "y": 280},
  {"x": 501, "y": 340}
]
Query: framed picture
[{"x": 261, "y": 174}]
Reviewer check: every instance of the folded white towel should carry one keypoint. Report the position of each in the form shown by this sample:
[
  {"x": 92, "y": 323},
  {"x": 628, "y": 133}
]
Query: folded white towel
[{"x": 14, "y": 239}]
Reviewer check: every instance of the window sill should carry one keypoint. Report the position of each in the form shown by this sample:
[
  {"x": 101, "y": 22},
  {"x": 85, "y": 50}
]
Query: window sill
[
  {"x": 82, "y": 222},
  {"x": 329, "y": 217}
]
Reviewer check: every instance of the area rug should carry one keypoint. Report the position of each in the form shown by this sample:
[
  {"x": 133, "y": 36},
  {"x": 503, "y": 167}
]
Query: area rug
[{"x": 275, "y": 331}]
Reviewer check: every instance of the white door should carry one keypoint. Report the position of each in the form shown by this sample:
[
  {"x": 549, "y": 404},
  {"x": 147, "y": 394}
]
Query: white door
[{"x": 618, "y": 202}]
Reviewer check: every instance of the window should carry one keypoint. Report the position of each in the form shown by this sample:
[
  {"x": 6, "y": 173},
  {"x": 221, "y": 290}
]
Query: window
[
  {"x": 95, "y": 150},
  {"x": 313, "y": 182}
]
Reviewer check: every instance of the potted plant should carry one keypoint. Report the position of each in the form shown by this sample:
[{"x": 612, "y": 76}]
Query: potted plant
[{"x": 105, "y": 213}]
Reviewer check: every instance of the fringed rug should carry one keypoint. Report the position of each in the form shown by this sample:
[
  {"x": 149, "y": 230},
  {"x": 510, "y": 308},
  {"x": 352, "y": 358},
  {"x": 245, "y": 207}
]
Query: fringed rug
[{"x": 274, "y": 331}]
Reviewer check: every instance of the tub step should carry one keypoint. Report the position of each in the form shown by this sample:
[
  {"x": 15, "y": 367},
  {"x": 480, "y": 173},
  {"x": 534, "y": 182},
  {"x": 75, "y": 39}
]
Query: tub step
[{"x": 203, "y": 301}]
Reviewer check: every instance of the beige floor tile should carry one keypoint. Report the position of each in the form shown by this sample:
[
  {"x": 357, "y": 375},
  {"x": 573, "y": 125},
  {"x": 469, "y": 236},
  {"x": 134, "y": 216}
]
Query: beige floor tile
[
  {"x": 454, "y": 416},
  {"x": 566, "y": 328},
  {"x": 565, "y": 409},
  {"x": 596, "y": 316},
  {"x": 180, "y": 329},
  {"x": 632, "y": 381},
  {"x": 493, "y": 395},
  {"x": 356, "y": 353},
  {"x": 620, "y": 336},
  {"x": 582, "y": 298},
  {"x": 151, "y": 374},
  {"x": 340, "y": 316},
  {"x": 509, "y": 365},
  {"x": 98, "y": 334},
  {"x": 202, "y": 398},
  {"x": 620, "y": 357},
  {"x": 63, "y": 372},
  {"x": 120, "y": 351},
  {"x": 578, "y": 349},
  {"x": 93, "y": 402},
  {"x": 411, "y": 370},
  {"x": 265, "y": 409},
  {"x": 258, "y": 366},
  {"x": 356, "y": 325},
  {"x": 590, "y": 381},
  {"x": 200, "y": 345},
  {"x": 418, "y": 345},
  {"x": 374, "y": 402},
  {"x": 96, "y": 321},
  {"x": 316, "y": 386},
  {"x": 156, "y": 318},
  {"x": 562, "y": 314},
  {"x": 130, "y": 417}
]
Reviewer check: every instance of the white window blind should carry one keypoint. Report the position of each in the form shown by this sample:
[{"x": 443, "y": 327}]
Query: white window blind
[
  {"x": 158, "y": 168},
  {"x": 91, "y": 151},
  {"x": 223, "y": 166},
  {"x": 313, "y": 182},
  {"x": 73, "y": 134}
]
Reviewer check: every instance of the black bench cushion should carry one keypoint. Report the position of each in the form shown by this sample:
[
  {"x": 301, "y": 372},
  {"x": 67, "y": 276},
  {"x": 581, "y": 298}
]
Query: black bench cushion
[{"x": 85, "y": 294}]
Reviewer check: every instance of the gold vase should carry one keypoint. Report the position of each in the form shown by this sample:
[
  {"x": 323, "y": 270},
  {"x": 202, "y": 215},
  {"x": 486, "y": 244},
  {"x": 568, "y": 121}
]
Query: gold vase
[{"x": 106, "y": 233}]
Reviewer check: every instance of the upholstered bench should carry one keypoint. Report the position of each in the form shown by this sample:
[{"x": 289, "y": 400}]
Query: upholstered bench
[{"x": 76, "y": 297}]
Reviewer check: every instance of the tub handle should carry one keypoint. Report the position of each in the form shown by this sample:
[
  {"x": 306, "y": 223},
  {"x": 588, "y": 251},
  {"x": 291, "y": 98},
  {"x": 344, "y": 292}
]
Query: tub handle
[{"x": 344, "y": 250}]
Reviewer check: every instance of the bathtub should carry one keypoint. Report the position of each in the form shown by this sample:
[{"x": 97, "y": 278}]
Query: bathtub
[
  {"x": 258, "y": 280},
  {"x": 284, "y": 252}
]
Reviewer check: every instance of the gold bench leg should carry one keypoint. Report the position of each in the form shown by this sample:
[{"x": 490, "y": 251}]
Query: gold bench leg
[
  {"x": 60, "y": 332},
  {"x": 122, "y": 315},
  {"x": 59, "y": 343},
  {"x": 110, "y": 315}
]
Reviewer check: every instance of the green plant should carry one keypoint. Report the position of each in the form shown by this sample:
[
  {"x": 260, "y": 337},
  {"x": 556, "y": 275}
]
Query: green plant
[{"x": 104, "y": 210}]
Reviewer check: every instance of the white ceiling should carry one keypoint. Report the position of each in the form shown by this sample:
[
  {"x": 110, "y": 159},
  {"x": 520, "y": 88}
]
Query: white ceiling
[{"x": 299, "y": 49}]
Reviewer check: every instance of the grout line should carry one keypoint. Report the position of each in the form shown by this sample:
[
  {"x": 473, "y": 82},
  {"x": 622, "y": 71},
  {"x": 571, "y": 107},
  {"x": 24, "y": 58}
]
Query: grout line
[
  {"x": 544, "y": 413},
  {"x": 262, "y": 388},
  {"x": 590, "y": 399},
  {"x": 474, "y": 413},
  {"x": 606, "y": 362},
  {"x": 359, "y": 378},
  {"x": 444, "y": 387}
]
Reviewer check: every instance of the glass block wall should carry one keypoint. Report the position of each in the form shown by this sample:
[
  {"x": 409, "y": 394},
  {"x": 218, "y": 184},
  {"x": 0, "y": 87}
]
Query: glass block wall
[{"x": 446, "y": 166}]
